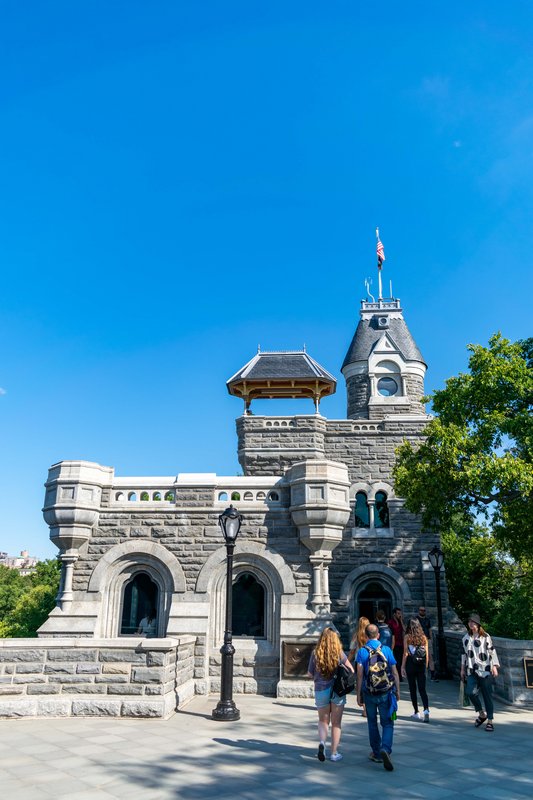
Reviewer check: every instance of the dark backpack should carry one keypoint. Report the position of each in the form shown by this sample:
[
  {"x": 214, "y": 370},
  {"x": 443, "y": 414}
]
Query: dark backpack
[
  {"x": 420, "y": 654},
  {"x": 377, "y": 679},
  {"x": 344, "y": 682}
]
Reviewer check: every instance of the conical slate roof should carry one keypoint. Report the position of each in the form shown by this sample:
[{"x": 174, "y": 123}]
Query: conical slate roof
[{"x": 368, "y": 333}]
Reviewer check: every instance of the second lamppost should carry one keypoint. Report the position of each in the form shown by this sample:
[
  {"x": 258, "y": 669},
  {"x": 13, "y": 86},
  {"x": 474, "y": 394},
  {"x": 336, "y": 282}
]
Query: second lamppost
[
  {"x": 230, "y": 522},
  {"x": 436, "y": 559}
]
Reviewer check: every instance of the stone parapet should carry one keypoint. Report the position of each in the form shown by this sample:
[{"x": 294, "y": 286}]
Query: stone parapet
[
  {"x": 95, "y": 677},
  {"x": 270, "y": 445}
]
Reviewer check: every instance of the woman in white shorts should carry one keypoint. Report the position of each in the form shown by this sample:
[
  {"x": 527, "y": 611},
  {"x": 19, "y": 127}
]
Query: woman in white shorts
[{"x": 325, "y": 659}]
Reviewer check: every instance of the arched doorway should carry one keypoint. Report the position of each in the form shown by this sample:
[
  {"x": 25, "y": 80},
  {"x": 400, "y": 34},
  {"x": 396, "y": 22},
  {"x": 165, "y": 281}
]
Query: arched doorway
[
  {"x": 371, "y": 597},
  {"x": 141, "y": 598}
]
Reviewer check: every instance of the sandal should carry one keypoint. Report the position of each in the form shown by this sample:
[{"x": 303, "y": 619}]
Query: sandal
[
  {"x": 480, "y": 721},
  {"x": 489, "y": 727}
]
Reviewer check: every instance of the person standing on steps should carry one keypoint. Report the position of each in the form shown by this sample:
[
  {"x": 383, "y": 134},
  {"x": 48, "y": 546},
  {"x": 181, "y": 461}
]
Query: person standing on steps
[
  {"x": 325, "y": 659},
  {"x": 479, "y": 666}
]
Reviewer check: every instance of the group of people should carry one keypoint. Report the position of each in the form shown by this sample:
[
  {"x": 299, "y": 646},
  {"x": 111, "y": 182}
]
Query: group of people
[{"x": 381, "y": 655}]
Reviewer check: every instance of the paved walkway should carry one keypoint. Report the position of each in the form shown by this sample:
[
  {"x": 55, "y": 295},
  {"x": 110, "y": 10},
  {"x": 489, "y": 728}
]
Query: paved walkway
[{"x": 270, "y": 753}]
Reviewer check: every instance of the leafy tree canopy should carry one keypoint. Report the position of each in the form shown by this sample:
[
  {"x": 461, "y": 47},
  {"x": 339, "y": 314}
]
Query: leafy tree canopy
[
  {"x": 26, "y": 600},
  {"x": 476, "y": 458}
]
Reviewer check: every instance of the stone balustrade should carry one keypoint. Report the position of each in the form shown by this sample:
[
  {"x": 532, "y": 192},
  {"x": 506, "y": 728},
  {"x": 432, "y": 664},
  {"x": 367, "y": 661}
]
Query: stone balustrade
[{"x": 95, "y": 677}]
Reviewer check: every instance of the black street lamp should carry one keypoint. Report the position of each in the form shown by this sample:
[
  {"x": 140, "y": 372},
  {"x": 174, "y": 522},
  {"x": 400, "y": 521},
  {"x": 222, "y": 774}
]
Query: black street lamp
[
  {"x": 230, "y": 522},
  {"x": 436, "y": 559}
]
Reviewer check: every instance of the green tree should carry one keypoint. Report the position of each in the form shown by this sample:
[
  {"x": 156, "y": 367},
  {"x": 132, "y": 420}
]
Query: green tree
[
  {"x": 26, "y": 601},
  {"x": 476, "y": 458},
  {"x": 476, "y": 463}
]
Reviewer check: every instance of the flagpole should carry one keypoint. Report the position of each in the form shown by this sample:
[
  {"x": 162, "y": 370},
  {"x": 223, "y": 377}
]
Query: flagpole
[{"x": 380, "y": 291}]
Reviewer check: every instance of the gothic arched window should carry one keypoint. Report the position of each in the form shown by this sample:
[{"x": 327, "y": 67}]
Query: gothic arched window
[
  {"x": 141, "y": 599},
  {"x": 381, "y": 517},
  {"x": 248, "y": 606},
  {"x": 362, "y": 516}
]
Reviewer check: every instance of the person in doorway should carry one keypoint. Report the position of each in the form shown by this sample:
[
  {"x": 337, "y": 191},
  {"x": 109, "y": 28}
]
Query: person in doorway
[
  {"x": 386, "y": 636},
  {"x": 396, "y": 626},
  {"x": 479, "y": 666},
  {"x": 358, "y": 641},
  {"x": 325, "y": 659},
  {"x": 148, "y": 625},
  {"x": 425, "y": 622},
  {"x": 378, "y": 686},
  {"x": 414, "y": 666}
]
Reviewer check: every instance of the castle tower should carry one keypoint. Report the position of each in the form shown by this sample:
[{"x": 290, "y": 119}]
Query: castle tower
[{"x": 383, "y": 368}]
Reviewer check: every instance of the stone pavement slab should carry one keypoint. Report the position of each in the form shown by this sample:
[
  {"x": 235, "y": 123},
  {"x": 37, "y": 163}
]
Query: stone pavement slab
[{"x": 269, "y": 753}]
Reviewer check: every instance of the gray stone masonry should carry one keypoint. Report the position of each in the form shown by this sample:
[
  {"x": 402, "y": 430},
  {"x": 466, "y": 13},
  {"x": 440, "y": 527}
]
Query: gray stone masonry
[
  {"x": 158, "y": 672},
  {"x": 191, "y": 537},
  {"x": 367, "y": 447}
]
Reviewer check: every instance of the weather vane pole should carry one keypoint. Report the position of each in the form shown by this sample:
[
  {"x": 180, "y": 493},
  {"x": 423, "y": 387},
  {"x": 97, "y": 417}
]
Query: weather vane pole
[{"x": 381, "y": 258}]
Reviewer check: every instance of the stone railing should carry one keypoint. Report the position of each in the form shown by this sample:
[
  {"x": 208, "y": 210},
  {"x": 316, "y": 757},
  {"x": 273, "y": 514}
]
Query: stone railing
[
  {"x": 95, "y": 677},
  {"x": 510, "y": 684}
]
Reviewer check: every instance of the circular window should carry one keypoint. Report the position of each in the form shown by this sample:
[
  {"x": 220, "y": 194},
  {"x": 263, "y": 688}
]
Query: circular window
[{"x": 387, "y": 387}]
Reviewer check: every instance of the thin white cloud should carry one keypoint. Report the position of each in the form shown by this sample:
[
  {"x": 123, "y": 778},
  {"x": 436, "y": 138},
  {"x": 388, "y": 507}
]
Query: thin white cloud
[{"x": 2, "y": 391}]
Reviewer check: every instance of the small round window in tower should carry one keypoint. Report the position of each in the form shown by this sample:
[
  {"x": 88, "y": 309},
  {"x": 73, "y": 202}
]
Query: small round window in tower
[{"x": 387, "y": 387}]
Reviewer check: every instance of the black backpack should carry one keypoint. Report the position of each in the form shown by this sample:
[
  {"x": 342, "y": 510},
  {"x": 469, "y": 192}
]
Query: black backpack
[
  {"x": 377, "y": 679},
  {"x": 420, "y": 654},
  {"x": 344, "y": 682}
]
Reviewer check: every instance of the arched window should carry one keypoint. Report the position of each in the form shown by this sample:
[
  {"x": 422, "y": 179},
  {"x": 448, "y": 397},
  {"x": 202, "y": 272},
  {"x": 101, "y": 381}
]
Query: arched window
[
  {"x": 140, "y": 601},
  {"x": 145, "y": 496},
  {"x": 169, "y": 497},
  {"x": 274, "y": 496},
  {"x": 235, "y": 496},
  {"x": 156, "y": 496},
  {"x": 248, "y": 606},
  {"x": 119, "y": 496},
  {"x": 362, "y": 516},
  {"x": 389, "y": 379},
  {"x": 248, "y": 496},
  {"x": 223, "y": 496},
  {"x": 381, "y": 517},
  {"x": 132, "y": 496},
  {"x": 260, "y": 496}
]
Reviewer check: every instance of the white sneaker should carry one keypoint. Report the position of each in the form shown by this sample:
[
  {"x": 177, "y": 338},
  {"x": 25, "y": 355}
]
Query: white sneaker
[
  {"x": 426, "y": 715},
  {"x": 335, "y": 757},
  {"x": 416, "y": 715}
]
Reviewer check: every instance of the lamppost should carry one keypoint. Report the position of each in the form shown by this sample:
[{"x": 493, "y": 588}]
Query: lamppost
[
  {"x": 230, "y": 522},
  {"x": 436, "y": 559}
]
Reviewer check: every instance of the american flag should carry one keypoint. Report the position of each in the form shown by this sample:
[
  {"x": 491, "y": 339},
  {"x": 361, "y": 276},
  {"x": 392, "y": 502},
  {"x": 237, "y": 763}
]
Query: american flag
[{"x": 381, "y": 252}]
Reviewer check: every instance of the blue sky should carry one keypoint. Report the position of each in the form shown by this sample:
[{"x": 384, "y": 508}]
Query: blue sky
[{"x": 182, "y": 181}]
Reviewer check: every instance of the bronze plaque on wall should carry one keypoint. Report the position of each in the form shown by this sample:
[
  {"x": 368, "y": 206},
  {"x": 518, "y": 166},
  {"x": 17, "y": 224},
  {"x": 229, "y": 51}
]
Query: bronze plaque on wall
[
  {"x": 296, "y": 657},
  {"x": 528, "y": 669}
]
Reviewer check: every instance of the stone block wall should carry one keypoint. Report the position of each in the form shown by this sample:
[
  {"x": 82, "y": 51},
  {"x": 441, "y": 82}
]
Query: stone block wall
[
  {"x": 96, "y": 677},
  {"x": 510, "y": 684},
  {"x": 270, "y": 445}
]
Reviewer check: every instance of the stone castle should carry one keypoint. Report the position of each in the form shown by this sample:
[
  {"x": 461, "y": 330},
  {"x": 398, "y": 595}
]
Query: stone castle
[{"x": 324, "y": 538}]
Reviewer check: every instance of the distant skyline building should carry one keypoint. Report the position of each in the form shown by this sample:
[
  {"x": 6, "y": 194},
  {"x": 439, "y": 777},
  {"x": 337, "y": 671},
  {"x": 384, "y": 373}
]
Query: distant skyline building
[{"x": 24, "y": 563}]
